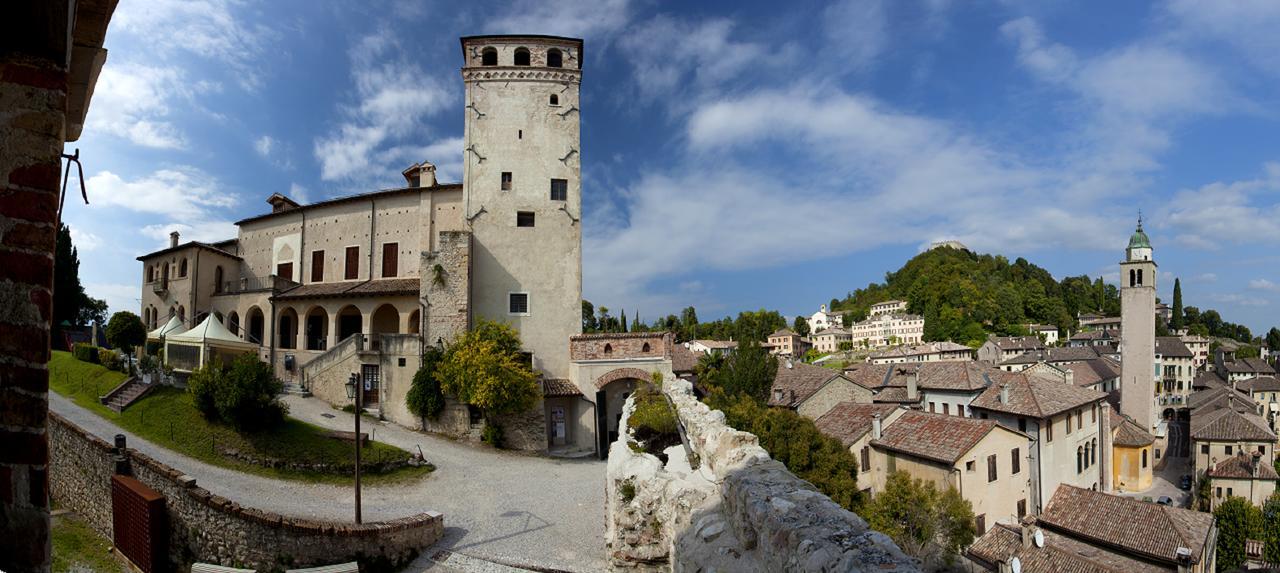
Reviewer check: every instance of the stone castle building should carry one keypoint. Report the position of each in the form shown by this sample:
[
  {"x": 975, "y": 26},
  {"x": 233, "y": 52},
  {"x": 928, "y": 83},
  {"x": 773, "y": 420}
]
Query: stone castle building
[
  {"x": 365, "y": 283},
  {"x": 1137, "y": 322}
]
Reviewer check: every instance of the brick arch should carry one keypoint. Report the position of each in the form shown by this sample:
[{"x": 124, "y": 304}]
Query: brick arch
[{"x": 622, "y": 374}]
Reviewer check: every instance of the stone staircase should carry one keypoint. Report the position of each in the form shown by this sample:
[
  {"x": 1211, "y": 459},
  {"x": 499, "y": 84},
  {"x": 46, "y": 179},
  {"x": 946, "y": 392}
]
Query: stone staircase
[
  {"x": 128, "y": 392},
  {"x": 293, "y": 387}
]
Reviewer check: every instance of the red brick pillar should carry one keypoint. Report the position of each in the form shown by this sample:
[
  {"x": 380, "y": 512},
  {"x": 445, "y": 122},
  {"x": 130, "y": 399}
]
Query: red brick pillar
[{"x": 33, "y": 105}]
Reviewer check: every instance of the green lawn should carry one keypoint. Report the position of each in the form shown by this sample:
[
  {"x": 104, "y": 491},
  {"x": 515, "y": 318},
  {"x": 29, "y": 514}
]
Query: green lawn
[
  {"x": 168, "y": 418},
  {"x": 76, "y": 547}
]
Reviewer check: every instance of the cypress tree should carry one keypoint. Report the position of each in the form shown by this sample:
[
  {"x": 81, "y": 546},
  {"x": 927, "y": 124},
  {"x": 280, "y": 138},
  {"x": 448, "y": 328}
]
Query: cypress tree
[
  {"x": 1175, "y": 321},
  {"x": 623, "y": 317}
]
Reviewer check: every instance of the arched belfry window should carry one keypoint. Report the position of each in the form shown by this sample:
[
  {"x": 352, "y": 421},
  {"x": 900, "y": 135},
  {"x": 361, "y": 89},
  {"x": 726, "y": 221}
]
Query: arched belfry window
[
  {"x": 1139, "y": 277},
  {"x": 1133, "y": 276},
  {"x": 522, "y": 56},
  {"x": 554, "y": 58},
  {"x": 489, "y": 57}
]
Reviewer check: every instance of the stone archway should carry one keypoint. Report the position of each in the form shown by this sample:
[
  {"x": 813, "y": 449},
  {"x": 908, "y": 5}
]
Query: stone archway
[
  {"x": 612, "y": 390},
  {"x": 621, "y": 374}
]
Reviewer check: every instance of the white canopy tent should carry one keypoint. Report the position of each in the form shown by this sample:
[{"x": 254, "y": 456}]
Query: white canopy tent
[
  {"x": 207, "y": 342},
  {"x": 173, "y": 326}
]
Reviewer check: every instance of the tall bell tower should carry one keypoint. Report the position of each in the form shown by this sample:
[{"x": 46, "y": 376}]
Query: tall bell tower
[
  {"x": 522, "y": 190},
  {"x": 1138, "y": 331}
]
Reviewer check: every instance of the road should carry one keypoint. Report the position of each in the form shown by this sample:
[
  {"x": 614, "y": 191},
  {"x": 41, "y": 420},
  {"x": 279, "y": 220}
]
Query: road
[
  {"x": 499, "y": 507},
  {"x": 1177, "y": 462}
]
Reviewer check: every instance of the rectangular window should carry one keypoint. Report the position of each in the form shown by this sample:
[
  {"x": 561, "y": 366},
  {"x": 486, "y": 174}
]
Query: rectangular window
[
  {"x": 991, "y": 468},
  {"x": 353, "y": 263},
  {"x": 933, "y": 408},
  {"x": 1093, "y": 414},
  {"x": 1204, "y": 449},
  {"x": 518, "y": 303},
  {"x": 970, "y": 465},
  {"x": 980, "y": 523},
  {"x": 1219, "y": 492},
  {"x": 1022, "y": 508},
  {"x": 524, "y": 218},
  {"x": 1079, "y": 419},
  {"x": 317, "y": 266},
  {"x": 1228, "y": 492},
  {"x": 390, "y": 259},
  {"x": 1022, "y": 424},
  {"x": 559, "y": 189},
  {"x": 1068, "y": 422},
  {"x": 1016, "y": 460},
  {"x": 866, "y": 458},
  {"x": 285, "y": 271},
  {"x": 1228, "y": 449},
  {"x": 1048, "y": 430},
  {"x": 506, "y": 180}
]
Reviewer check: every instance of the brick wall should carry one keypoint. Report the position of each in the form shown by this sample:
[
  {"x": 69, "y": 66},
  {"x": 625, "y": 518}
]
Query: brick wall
[
  {"x": 212, "y": 529},
  {"x": 33, "y": 102},
  {"x": 447, "y": 292},
  {"x": 620, "y": 345}
]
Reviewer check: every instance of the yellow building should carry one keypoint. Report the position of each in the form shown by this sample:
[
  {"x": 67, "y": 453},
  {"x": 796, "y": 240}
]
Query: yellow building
[{"x": 1131, "y": 455}]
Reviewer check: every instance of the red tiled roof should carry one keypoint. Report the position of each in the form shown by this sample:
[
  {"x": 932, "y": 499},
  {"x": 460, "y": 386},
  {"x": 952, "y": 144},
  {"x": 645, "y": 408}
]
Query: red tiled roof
[
  {"x": 1035, "y": 396},
  {"x": 1127, "y": 433},
  {"x": 849, "y": 421},
  {"x": 379, "y": 287},
  {"x": 936, "y": 437},
  {"x": 1146, "y": 529},
  {"x": 1240, "y": 466},
  {"x": 796, "y": 381},
  {"x": 1172, "y": 347},
  {"x": 558, "y": 387},
  {"x": 683, "y": 360},
  {"x": 1090, "y": 372},
  {"x": 1060, "y": 554},
  {"x": 1230, "y": 425}
]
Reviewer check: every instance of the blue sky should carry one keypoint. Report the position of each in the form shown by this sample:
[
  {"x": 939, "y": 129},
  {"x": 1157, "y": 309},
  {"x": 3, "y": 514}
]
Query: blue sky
[{"x": 736, "y": 155}]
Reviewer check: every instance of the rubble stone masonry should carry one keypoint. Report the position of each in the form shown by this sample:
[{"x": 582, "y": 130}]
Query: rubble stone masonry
[{"x": 212, "y": 529}]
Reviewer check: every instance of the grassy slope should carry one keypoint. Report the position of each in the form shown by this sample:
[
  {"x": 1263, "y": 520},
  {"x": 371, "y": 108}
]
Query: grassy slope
[
  {"x": 168, "y": 418},
  {"x": 76, "y": 547}
]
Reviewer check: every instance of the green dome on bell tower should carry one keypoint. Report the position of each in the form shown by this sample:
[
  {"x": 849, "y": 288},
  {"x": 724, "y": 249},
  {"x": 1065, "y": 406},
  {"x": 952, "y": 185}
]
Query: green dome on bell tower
[{"x": 1139, "y": 239}]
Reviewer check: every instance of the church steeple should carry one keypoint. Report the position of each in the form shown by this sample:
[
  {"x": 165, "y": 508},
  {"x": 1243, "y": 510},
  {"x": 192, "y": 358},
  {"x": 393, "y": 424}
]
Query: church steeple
[{"x": 1139, "y": 248}]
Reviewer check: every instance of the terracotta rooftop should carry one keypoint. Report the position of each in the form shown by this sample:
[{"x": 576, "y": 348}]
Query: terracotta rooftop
[
  {"x": 1035, "y": 396},
  {"x": 378, "y": 287},
  {"x": 784, "y": 332},
  {"x": 1055, "y": 355},
  {"x": 353, "y": 198},
  {"x": 1249, "y": 365},
  {"x": 1144, "y": 529},
  {"x": 1016, "y": 342},
  {"x": 849, "y": 421},
  {"x": 190, "y": 244},
  {"x": 1060, "y": 553},
  {"x": 922, "y": 349},
  {"x": 1241, "y": 466},
  {"x": 1172, "y": 347},
  {"x": 1090, "y": 372},
  {"x": 1259, "y": 384},
  {"x": 958, "y": 375},
  {"x": 1128, "y": 433},
  {"x": 1230, "y": 425},
  {"x": 893, "y": 395},
  {"x": 1095, "y": 335},
  {"x": 936, "y": 437},
  {"x": 1208, "y": 380},
  {"x": 796, "y": 381},
  {"x": 1217, "y": 398},
  {"x": 683, "y": 360},
  {"x": 559, "y": 387}
]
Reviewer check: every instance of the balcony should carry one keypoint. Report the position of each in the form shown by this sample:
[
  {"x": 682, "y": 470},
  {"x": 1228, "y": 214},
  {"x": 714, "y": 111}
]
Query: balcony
[
  {"x": 251, "y": 283},
  {"x": 160, "y": 287}
]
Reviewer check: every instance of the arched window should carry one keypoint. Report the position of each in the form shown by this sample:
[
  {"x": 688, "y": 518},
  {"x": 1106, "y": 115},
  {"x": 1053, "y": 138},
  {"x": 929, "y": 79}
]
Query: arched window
[
  {"x": 217, "y": 279},
  {"x": 1144, "y": 459},
  {"x": 1139, "y": 277},
  {"x": 1080, "y": 459},
  {"x": 1093, "y": 452},
  {"x": 555, "y": 99},
  {"x": 645, "y": 348},
  {"x": 489, "y": 57},
  {"x": 1133, "y": 277},
  {"x": 608, "y": 348},
  {"x": 182, "y": 268},
  {"x": 554, "y": 58},
  {"x": 522, "y": 56}
]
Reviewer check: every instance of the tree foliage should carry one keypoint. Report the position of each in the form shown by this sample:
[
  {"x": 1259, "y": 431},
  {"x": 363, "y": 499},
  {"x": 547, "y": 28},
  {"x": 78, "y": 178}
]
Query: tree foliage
[
  {"x": 1238, "y": 520},
  {"x": 1271, "y": 525},
  {"x": 425, "y": 398},
  {"x": 1210, "y": 323},
  {"x": 801, "y": 326},
  {"x": 1175, "y": 319},
  {"x": 242, "y": 395},
  {"x": 126, "y": 331},
  {"x": 924, "y": 521},
  {"x": 1273, "y": 339},
  {"x": 70, "y": 303},
  {"x": 486, "y": 369},
  {"x": 747, "y": 371}
]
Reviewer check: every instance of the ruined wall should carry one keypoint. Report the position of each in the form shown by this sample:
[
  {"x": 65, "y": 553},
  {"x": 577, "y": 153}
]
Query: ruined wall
[
  {"x": 211, "y": 529},
  {"x": 761, "y": 517},
  {"x": 446, "y": 288}
]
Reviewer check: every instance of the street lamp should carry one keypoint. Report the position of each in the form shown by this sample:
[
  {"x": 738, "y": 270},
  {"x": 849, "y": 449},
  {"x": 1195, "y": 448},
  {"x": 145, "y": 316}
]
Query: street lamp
[{"x": 354, "y": 392}]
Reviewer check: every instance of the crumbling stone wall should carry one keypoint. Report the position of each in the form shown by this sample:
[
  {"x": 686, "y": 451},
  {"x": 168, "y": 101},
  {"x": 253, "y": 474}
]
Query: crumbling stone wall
[
  {"x": 621, "y": 345},
  {"x": 446, "y": 288},
  {"x": 212, "y": 529},
  {"x": 759, "y": 517}
]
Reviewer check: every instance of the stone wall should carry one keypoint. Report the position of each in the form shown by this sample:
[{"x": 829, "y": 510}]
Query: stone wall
[
  {"x": 212, "y": 529},
  {"x": 760, "y": 518},
  {"x": 620, "y": 345},
  {"x": 446, "y": 287},
  {"x": 326, "y": 375}
]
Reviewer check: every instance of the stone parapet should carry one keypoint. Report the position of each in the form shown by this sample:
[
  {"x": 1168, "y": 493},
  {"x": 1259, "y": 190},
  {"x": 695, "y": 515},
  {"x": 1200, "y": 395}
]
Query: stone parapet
[{"x": 209, "y": 528}]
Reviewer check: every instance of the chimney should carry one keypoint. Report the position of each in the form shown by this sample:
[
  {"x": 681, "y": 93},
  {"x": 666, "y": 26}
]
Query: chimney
[
  {"x": 913, "y": 386},
  {"x": 1071, "y": 377},
  {"x": 1256, "y": 457},
  {"x": 173, "y": 239},
  {"x": 420, "y": 175},
  {"x": 1027, "y": 528},
  {"x": 1183, "y": 557},
  {"x": 1004, "y": 393},
  {"x": 875, "y": 426}
]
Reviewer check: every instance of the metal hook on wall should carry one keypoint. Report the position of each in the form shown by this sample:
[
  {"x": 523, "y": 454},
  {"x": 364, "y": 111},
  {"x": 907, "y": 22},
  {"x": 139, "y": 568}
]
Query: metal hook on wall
[{"x": 62, "y": 199}]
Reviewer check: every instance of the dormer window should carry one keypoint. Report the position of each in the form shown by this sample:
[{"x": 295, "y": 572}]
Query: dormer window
[
  {"x": 554, "y": 58},
  {"x": 522, "y": 56},
  {"x": 489, "y": 57}
]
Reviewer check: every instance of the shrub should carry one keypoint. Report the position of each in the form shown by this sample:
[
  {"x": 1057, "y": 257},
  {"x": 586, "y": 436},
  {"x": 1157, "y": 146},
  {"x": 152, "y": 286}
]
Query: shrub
[
  {"x": 85, "y": 352},
  {"x": 110, "y": 360},
  {"x": 484, "y": 368},
  {"x": 652, "y": 422},
  {"x": 148, "y": 364},
  {"x": 242, "y": 395},
  {"x": 628, "y": 491},
  {"x": 425, "y": 398},
  {"x": 492, "y": 434},
  {"x": 126, "y": 331}
]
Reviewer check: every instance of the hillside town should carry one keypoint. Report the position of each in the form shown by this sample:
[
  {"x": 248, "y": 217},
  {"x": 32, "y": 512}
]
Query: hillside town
[{"x": 412, "y": 378}]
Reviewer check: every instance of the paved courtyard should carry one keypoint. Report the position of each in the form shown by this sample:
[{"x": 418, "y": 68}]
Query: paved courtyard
[{"x": 499, "y": 507}]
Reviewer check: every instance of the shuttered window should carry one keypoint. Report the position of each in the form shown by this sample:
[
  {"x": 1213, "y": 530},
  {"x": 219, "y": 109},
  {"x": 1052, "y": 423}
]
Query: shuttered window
[
  {"x": 285, "y": 271},
  {"x": 353, "y": 263},
  {"x": 991, "y": 468},
  {"x": 317, "y": 266},
  {"x": 1016, "y": 459},
  {"x": 866, "y": 458},
  {"x": 390, "y": 264}
]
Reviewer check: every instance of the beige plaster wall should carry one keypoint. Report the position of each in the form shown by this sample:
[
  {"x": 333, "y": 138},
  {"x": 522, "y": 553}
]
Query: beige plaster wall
[{"x": 834, "y": 392}]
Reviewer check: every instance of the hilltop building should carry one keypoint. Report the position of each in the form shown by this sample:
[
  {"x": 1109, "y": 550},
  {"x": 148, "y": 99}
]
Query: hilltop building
[
  {"x": 824, "y": 319},
  {"x": 887, "y": 328},
  {"x": 926, "y": 352},
  {"x": 997, "y": 349},
  {"x": 1138, "y": 328}
]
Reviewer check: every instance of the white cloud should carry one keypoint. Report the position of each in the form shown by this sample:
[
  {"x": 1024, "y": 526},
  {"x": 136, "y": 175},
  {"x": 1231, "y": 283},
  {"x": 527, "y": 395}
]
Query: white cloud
[
  {"x": 214, "y": 29},
  {"x": 1206, "y": 278},
  {"x": 1239, "y": 212},
  {"x": 263, "y": 145},
  {"x": 135, "y": 102},
  {"x": 395, "y": 96},
  {"x": 299, "y": 193},
  {"x": 856, "y": 32},
  {"x": 204, "y": 230},
  {"x": 181, "y": 193},
  {"x": 118, "y": 296},
  {"x": 1264, "y": 284},
  {"x": 589, "y": 19},
  {"x": 1248, "y": 25},
  {"x": 1238, "y": 299},
  {"x": 84, "y": 240}
]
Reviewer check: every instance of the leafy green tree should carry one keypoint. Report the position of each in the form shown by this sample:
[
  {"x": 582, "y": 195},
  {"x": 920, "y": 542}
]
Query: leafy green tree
[
  {"x": 70, "y": 303},
  {"x": 93, "y": 311},
  {"x": 243, "y": 395},
  {"x": 925, "y": 522},
  {"x": 801, "y": 326},
  {"x": 588, "y": 316},
  {"x": 1175, "y": 321},
  {"x": 748, "y": 371},
  {"x": 636, "y": 325},
  {"x": 126, "y": 331},
  {"x": 1271, "y": 525},
  {"x": 688, "y": 324},
  {"x": 1273, "y": 343},
  {"x": 484, "y": 368},
  {"x": 425, "y": 398},
  {"x": 1238, "y": 520},
  {"x": 1247, "y": 351}
]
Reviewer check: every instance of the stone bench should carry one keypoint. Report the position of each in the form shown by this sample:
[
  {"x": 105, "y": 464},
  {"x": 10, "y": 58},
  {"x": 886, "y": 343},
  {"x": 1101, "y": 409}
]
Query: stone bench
[
  {"x": 351, "y": 567},
  {"x": 209, "y": 568},
  {"x": 348, "y": 436}
]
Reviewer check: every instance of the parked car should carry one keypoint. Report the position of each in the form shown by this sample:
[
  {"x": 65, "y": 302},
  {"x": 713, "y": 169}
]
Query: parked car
[
  {"x": 1165, "y": 500},
  {"x": 1186, "y": 482}
]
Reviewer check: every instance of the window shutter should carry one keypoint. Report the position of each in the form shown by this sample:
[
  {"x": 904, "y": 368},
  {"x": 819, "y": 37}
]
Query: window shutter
[
  {"x": 991, "y": 468},
  {"x": 353, "y": 263},
  {"x": 317, "y": 266},
  {"x": 390, "y": 263}
]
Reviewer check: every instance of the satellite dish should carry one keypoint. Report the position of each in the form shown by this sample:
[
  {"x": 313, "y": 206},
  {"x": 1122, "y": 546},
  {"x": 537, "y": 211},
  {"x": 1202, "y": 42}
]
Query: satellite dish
[
  {"x": 1039, "y": 538},
  {"x": 1016, "y": 565}
]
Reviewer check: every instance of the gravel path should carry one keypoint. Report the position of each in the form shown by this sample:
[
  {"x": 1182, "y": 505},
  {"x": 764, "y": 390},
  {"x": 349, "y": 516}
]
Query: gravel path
[{"x": 498, "y": 506}]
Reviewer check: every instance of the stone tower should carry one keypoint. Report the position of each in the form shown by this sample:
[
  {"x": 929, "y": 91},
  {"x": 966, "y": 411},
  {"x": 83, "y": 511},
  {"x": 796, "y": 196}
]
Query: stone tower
[
  {"x": 1138, "y": 331},
  {"x": 522, "y": 190}
]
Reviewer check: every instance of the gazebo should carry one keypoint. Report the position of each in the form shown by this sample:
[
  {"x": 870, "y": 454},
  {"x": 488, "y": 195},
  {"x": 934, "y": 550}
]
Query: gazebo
[
  {"x": 208, "y": 341},
  {"x": 155, "y": 338}
]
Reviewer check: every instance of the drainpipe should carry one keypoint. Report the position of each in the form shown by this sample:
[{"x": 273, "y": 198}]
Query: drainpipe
[
  {"x": 271, "y": 335},
  {"x": 195, "y": 285},
  {"x": 372, "y": 213}
]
